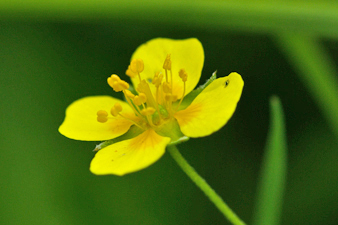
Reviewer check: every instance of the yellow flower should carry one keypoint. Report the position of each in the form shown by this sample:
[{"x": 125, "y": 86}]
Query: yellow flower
[{"x": 164, "y": 109}]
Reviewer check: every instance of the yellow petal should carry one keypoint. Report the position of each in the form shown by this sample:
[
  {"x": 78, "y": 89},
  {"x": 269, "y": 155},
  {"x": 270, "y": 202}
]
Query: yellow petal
[
  {"x": 186, "y": 54},
  {"x": 212, "y": 108},
  {"x": 81, "y": 119},
  {"x": 129, "y": 155}
]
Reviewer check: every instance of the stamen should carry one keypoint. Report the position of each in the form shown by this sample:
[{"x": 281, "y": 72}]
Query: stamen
[
  {"x": 116, "y": 83},
  {"x": 184, "y": 76},
  {"x": 137, "y": 66},
  {"x": 115, "y": 111},
  {"x": 130, "y": 103},
  {"x": 167, "y": 66},
  {"x": 157, "y": 81},
  {"x": 136, "y": 124},
  {"x": 167, "y": 63}
]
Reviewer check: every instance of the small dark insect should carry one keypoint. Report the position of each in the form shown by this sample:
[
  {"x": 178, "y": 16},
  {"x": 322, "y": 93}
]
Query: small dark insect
[{"x": 226, "y": 83}]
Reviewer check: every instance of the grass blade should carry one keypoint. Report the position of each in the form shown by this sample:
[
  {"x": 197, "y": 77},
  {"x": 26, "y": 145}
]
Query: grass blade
[
  {"x": 273, "y": 173},
  {"x": 264, "y": 16},
  {"x": 316, "y": 70}
]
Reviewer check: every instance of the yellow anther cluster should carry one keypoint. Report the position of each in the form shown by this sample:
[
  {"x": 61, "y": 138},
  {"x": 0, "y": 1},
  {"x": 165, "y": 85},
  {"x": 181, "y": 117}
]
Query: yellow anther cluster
[
  {"x": 140, "y": 99},
  {"x": 183, "y": 75},
  {"x": 116, "y": 83},
  {"x": 148, "y": 111},
  {"x": 102, "y": 116},
  {"x": 136, "y": 66},
  {"x": 116, "y": 109},
  {"x": 151, "y": 109},
  {"x": 167, "y": 63}
]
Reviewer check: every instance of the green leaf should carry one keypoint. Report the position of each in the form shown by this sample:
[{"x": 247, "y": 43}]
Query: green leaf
[{"x": 273, "y": 172}]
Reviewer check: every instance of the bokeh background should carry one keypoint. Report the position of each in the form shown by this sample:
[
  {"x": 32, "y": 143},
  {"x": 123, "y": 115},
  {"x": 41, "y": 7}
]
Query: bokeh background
[{"x": 54, "y": 52}]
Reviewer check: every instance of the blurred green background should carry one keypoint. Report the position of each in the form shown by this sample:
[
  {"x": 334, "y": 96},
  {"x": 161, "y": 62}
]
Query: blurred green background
[{"x": 54, "y": 52}]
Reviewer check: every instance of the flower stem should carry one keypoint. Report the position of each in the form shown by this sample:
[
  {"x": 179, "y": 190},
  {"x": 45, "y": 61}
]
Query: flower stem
[{"x": 204, "y": 186}]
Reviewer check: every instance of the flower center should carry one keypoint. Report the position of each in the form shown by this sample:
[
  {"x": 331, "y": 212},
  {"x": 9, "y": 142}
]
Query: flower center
[{"x": 152, "y": 109}]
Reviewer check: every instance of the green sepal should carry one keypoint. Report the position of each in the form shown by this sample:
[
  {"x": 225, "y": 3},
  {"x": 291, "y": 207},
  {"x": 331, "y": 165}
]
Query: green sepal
[
  {"x": 179, "y": 141},
  {"x": 192, "y": 95},
  {"x": 172, "y": 130},
  {"x": 131, "y": 133}
]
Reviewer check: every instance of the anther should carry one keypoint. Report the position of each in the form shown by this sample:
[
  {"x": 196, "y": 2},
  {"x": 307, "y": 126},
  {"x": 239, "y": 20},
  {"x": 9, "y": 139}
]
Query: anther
[
  {"x": 114, "y": 112},
  {"x": 169, "y": 97},
  {"x": 118, "y": 107},
  {"x": 137, "y": 66},
  {"x": 167, "y": 63},
  {"x": 148, "y": 111},
  {"x": 112, "y": 79},
  {"x": 129, "y": 94},
  {"x": 130, "y": 73},
  {"x": 102, "y": 116},
  {"x": 183, "y": 75},
  {"x": 102, "y": 113},
  {"x": 166, "y": 87},
  {"x": 116, "y": 83},
  {"x": 157, "y": 80},
  {"x": 124, "y": 85},
  {"x": 140, "y": 99},
  {"x": 143, "y": 97}
]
